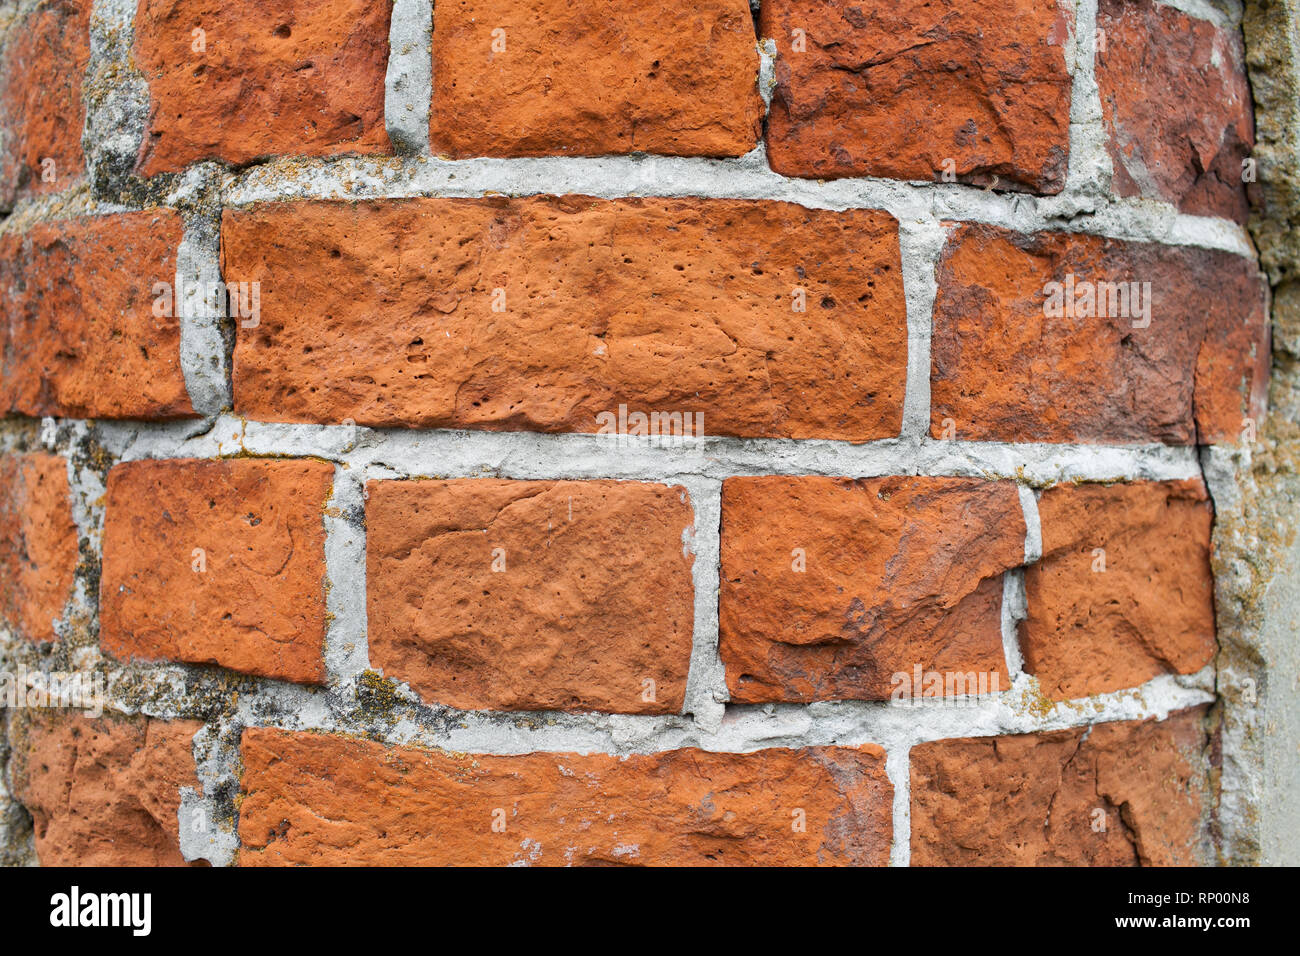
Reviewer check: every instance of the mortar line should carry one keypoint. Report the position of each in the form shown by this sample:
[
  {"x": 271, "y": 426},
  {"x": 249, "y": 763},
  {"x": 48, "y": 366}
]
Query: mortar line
[
  {"x": 766, "y": 76},
  {"x": 898, "y": 768},
  {"x": 447, "y": 453},
  {"x": 199, "y": 302},
  {"x": 277, "y": 704},
  {"x": 706, "y": 687},
  {"x": 207, "y": 817},
  {"x": 87, "y": 492},
  {"x": 1089, "y": 172},
  {"x": 115, "y": 121},
  {"x": 1033, "y": 524},
  {"x": 550, "y": 456},
  {"x": 346, "y": 648},
  {"x": 921, "y": 243},
  {"x": 1015, "y": 597},
  {"x": 408, "y": 78},
  {"x": 1014, "y": 604}
]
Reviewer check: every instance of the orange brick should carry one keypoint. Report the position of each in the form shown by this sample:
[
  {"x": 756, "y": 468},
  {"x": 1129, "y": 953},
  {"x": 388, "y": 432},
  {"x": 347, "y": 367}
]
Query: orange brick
[
  {"x": 81, "y": 339},
  {"x": 217, "y": 562},
  {"x": 330, "y": 800},
  {"x": 1124, "y": 590},
  {"x": 300, "y": 77},
  {"x": 912, "y": 89},
  {"x": 830, "y": 586},
  {"x": 1010, "y": 363},
  {"x": 1121, "y": 794},
  {"x": 594, "y": 77},
  {"x": 41, "y": 113},
  {"x": 532, "y": 595},
  {"x": 38, "y": 543},
  {"x": 103, "y": 792},
  {"x": 666, "y": 305},
  {"x": 1177, "y": 109}
]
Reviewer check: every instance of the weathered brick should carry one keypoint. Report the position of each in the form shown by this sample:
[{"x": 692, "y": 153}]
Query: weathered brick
[
  {"x": 299, "y": 77},
  {"x": 41, "y": 113},
  {"x": 532, "y": 595},
  {"x": 594, "y": 77},
  {"x": 1124, "y": 590},
  {"x": 217, "y": 562},
  {"x": 81, "y": 339},
  {"x": 898, "y": 572},
  {"x": 38, "y": 543},
  {"x": 1004, "y": 370},
  {"x": 916, "y": 88},
  {"x": 1119, "y": 794},
  {"x": 103, "y": 792},
  {"x": 333, "y": 800},
  {"x": 663, "y": 304},
  {"x": 1176, "y": 106}
]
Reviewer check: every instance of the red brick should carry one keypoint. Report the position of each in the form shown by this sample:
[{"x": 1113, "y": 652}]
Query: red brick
[
  {"x": 663, "y": 304},
  {"x": 532, "y": 595},
  {"x": 103, "y": 792},
  {"x": 1002, "y": 370},
  {"x": 1176, "y": 106},
  {"x": 258, "y": 604},
  {"x": 41, "y": 113},
  {"x": 1143, "y": 606},
  {"x": 38, "y": 543},
  {"x": 898, "y": 89},
  {"x": 1043, "y": 799},
  {"x": 302, "y": 77},
  {"x": 81, "y": 339},
  {"x": 898, "y": 572},
  {"x": 330, "y": 800},
  {"x": 594, "y": 77}
]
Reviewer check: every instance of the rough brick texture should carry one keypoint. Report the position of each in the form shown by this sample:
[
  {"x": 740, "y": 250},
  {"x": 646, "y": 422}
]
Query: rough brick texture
[
  {"x": 599, "y": 424},
  {"x": 300, "y": 77},
  {"x": 1004, "y": 370},
  {"x": 1121, "y": 794},
  {"x": 80, "y": 338},
  {"x": 332, "y": 800},
  {"x": 532, "y": 595},
  {"x": 103, "y": 792},
  {"x": 902, "y": 89},
  {"x": 663, "y": 304},
  {"x": 896, "y": 572},
  {"x": 594, "y": 77},
  {"x": 217, "y": 562},
  {"x": 38, "y": 543},
  {"x": 41, "y": 113},
  {"x": 1176, "y": 106},
  {"x": 1124, "y": 590}
]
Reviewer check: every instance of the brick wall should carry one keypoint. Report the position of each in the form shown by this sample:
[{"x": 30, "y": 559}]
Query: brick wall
[{"x": 620, "y": 432}]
